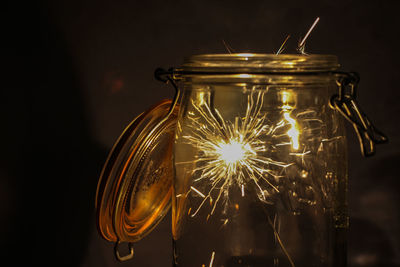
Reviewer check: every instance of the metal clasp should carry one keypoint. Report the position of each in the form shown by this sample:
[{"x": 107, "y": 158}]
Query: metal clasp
[
  {"x": 127, "y": 256},
  {"x": 167, "y": 76},
  {"x": 345, "y": 102}
]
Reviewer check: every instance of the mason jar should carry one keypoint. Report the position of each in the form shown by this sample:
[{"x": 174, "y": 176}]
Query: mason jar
[
  {"x": 251, "y": 152},
  {"x": 260, "y": 162}
]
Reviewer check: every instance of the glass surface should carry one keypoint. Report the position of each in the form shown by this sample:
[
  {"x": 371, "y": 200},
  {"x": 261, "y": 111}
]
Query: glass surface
[{"x": 261, "y": 172}]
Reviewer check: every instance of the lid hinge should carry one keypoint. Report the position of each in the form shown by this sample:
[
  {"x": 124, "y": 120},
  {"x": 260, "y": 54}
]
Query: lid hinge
[{"x": 345, "y": 102}]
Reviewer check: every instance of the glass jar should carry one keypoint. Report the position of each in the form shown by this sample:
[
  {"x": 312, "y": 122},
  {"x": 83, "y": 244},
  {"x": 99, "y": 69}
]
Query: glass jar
[
  {"x": 260, "y": 163},
  {"x": 251, "y": 152}
]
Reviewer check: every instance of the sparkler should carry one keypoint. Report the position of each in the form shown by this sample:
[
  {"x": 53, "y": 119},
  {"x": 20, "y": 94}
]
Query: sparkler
[{"x": 237, "y": 153}]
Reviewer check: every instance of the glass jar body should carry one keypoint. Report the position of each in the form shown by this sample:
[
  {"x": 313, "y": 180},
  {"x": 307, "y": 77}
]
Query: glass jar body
[{"x": 260, "y": 172}]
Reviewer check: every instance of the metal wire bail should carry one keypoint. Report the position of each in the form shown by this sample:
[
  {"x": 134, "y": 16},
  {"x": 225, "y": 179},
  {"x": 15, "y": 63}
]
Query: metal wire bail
[
  {"x": 166, "y": 76},
  {"x": 127, "y": 256},
  {"x": 345, "y": 102}
]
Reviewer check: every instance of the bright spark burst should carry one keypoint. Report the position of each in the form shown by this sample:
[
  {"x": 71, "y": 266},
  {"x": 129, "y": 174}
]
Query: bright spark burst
[
  {"x": 232, "y": 152},
  {"x": 236, "y": 153}
]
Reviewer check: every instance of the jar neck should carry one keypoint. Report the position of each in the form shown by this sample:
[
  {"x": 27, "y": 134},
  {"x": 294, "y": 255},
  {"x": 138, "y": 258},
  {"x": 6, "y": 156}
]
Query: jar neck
[
  {"x": 259, "y": 63},
  {"x": 290, "y": 79}
]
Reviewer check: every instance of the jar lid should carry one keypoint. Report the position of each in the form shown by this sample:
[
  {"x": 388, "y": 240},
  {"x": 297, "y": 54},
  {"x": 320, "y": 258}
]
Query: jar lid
[
  {"x": 259, "y": 63},
  {"x": 135, "y": 185}
]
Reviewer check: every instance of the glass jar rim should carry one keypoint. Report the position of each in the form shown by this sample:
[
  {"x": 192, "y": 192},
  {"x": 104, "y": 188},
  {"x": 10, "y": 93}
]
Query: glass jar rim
[{"x": 259, "y": 63}]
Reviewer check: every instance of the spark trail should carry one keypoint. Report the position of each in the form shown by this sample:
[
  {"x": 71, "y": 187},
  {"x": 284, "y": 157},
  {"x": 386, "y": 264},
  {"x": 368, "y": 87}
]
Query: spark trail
[{"x": 235, "y": 153}]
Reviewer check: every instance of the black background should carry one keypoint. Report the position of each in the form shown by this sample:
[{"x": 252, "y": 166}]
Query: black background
[{"x": 78, "y": 71}]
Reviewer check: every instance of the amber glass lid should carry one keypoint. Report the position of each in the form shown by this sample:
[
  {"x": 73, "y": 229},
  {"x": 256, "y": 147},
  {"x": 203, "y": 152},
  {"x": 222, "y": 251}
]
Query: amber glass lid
[{"x": 135, "y": 186}]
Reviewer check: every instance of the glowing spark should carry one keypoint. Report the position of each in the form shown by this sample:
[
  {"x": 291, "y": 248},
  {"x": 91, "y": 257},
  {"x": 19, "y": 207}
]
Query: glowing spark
[
  {"x": 283, "y": 45},
  {"x": 303, "y": 42},
  {"x": 198, "y": 192},
  {"x": 309, "y": 31},
  {"x": 232, "y": 152},
  {"x": 212, "y": 259},
  {"x": 235, "y": 153},
  {"x": 225, "y": 222},
  {"x": 301, "y": 155}
]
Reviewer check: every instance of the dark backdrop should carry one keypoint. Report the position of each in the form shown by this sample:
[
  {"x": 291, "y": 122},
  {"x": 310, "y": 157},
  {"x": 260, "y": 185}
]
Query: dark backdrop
[{"x": 78, "y": 71}]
